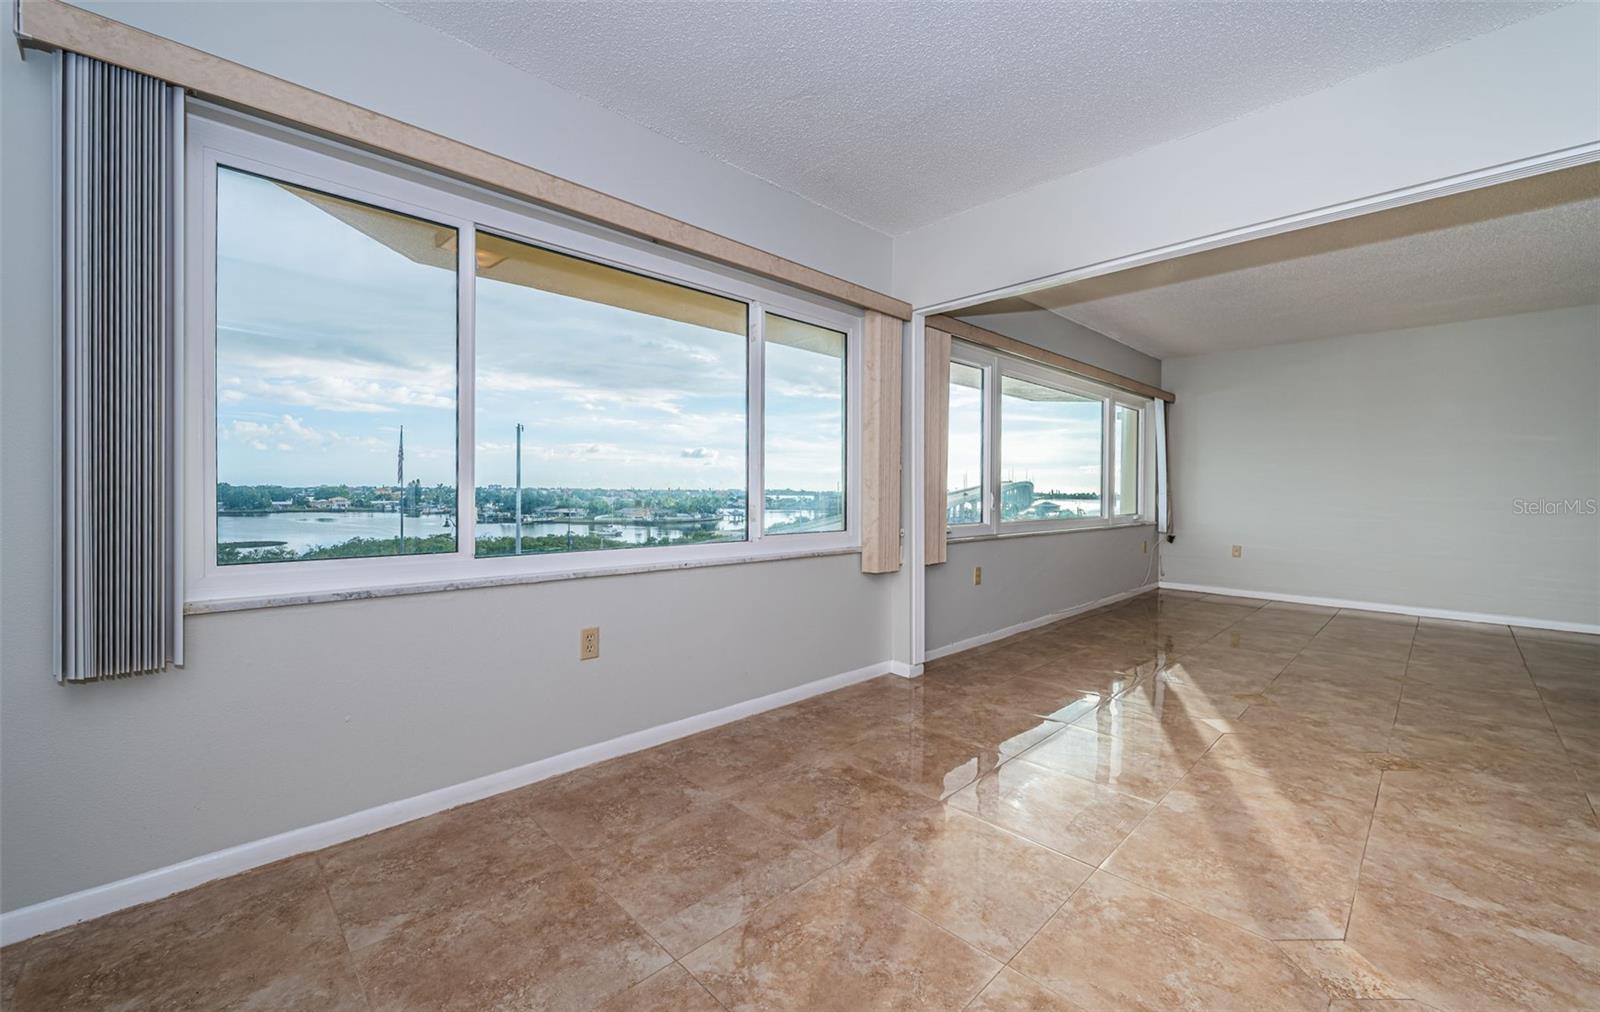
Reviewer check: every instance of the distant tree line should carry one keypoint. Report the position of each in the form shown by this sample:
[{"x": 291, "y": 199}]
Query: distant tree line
[
  {"x": 246, "y": 498},
  {"x": 597, "y": 502},
  {"x": 233, "y": 553}
]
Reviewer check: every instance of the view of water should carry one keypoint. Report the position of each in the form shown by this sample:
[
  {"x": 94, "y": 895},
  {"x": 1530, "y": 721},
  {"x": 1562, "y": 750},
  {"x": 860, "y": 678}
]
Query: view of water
[
  {"x": 303, "y": 531},
  {"x": 1065, "y": 507},
  {"x": 1070, "y": 506}
]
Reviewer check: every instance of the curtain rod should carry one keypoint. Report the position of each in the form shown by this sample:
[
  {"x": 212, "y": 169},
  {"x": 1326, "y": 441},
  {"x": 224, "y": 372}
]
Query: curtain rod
[{"x": 53, "y": 24}]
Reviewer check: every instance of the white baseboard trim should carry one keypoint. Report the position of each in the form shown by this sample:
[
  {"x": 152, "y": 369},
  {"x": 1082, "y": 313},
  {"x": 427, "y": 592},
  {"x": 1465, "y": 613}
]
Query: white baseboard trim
[
  {"x": 1393, "y": 609},
  {"x": 934, "y": 653},
  {"x": 904, "y": 670},
  {"x": 26, "y": 922}
]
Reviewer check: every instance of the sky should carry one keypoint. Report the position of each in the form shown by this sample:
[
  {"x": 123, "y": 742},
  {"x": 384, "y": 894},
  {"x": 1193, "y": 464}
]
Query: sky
[
  {"x": 964, "y": 467},
  {"x": 328, "y": 341},
  {"x": 1053, "y": 443}
]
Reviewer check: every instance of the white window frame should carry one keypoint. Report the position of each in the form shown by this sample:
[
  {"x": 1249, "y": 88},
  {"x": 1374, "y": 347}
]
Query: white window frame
[
  {"x": 223, "y": 138},
  {"x": 1145, "y": 479},
  {"x": 985, "y": 364},
  {"x": 996, "y": 366}
]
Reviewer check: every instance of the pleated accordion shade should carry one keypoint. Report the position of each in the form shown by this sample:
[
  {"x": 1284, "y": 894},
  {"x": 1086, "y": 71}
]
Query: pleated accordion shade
[{"x": 119, "y": 312}]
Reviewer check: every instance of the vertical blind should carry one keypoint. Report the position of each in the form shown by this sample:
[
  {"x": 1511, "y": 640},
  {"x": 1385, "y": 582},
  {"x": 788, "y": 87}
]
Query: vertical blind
[{"x": 119, "y": 163}]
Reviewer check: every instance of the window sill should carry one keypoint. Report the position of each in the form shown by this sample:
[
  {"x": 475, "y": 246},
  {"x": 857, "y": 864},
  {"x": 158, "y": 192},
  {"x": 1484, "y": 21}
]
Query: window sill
[
  {"x": 986, "y": 535},
  {"x": 286, "y": 599}
]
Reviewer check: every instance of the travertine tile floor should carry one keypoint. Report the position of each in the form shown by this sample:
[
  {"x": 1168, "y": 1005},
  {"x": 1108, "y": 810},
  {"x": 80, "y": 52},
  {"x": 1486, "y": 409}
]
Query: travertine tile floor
[{"x": 1178, "y": 802}]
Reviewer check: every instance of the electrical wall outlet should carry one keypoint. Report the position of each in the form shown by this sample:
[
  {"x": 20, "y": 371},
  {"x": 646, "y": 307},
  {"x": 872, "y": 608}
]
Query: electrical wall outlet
[
  {"x": 589, "y": 644},
  {"x": 1237, "y": 551},
  {"x": 977, "y": 576}
]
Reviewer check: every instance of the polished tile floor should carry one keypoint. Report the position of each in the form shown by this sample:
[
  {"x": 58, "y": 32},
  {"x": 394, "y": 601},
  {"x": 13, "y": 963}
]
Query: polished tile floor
[{"x": 1178, "y": 802}]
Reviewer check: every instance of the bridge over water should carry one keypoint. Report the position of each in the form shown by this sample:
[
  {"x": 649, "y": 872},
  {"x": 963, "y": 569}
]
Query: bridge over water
[{"x": 965, "y": 505}]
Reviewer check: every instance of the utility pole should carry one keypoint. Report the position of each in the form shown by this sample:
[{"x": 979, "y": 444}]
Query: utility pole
[
  {"x": 518, "y": 517},
  {"x": 400, "y": 477}
]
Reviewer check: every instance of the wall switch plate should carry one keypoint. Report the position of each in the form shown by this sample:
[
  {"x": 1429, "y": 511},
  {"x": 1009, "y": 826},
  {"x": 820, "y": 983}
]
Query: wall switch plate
[
  {"x": 589, "y": 644},
  {"x": 1144, "y": 548},
  {"x": 977, "y": 576},
  {"x": 1237, "y": 551}
]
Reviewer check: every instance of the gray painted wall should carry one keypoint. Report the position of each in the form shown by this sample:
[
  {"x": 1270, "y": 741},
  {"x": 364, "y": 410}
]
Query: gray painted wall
[
  {"x": 1384, "y": 468},
  {"x": 1044, "y": 329},
  {"x": 287, "y": 717},
  {"x": 1025, "y": 578}
]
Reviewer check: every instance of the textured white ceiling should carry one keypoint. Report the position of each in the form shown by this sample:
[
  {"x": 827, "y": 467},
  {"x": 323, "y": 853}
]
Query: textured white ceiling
[
  {"x": 1513, "y": 248},
  {"x": 899, "y": 113}
]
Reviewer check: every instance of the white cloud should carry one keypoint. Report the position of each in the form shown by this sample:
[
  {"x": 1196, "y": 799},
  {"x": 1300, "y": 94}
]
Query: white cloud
[
  {"x": 290, "y": 434},
  {"x": 341, "y": 385}
]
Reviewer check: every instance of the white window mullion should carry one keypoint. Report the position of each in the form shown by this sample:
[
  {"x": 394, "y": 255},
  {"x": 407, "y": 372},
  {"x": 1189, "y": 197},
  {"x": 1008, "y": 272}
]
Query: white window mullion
[
  {"x": 991, "y": 443},
  {"x": 755, "y": 496},
  {"x": 201, "y": 322},
  {"x": 466, "y": 385},
  {"x": 853, "y": 415},
  {"x": 1108, "y": 457},
  {"x": 1147, "y": 463}
]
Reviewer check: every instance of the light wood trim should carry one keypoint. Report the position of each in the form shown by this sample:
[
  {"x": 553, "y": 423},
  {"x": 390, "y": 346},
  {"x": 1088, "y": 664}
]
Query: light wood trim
[
  {"x": 1011, "y": 346},
  {"x": 52, "y": 24},
  {"x": 880, "y": 444},
  {"x": 936, "y": 447}
]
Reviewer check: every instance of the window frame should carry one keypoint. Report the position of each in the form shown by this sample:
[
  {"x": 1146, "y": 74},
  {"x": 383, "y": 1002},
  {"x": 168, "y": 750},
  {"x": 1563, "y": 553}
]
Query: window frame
[
  {"x": 962, "y": 354},
  {"x": 223, "y": 138},
  {"x": 755, "y": 514},
  {"x": 996, "y": 366},
  {"x": 1141, "y": 411}
]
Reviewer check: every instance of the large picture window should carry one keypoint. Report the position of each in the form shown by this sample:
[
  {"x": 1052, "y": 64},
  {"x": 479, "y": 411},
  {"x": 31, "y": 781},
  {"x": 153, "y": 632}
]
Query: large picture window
[
  {"x": 1036, "y": 449},
  {"x": 1050, "y": 452},
  {"x": 335, "y": 377},
  {"x": 363, "y": 341},
  {"x": 624, "y": 396}
]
